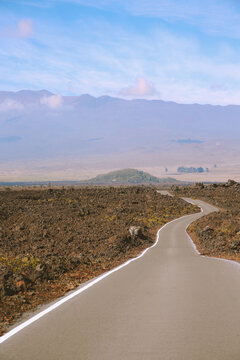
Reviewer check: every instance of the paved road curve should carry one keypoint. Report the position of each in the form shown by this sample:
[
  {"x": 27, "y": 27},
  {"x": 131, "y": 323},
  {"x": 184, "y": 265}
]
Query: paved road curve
[{"x": 171, "y": 304}]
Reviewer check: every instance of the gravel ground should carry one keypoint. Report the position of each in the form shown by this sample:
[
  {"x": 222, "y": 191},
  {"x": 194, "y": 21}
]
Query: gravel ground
[
  {"x": 217, "y": 234},
  {"x": 53, "y": 240}
]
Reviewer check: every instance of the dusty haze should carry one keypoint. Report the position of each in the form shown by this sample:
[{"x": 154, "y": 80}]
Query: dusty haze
[{"x": 47, "y": 136}]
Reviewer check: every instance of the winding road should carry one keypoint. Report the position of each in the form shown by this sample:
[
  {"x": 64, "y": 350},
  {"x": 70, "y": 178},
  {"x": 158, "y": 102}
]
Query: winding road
[{"x": 170, "y": 304}]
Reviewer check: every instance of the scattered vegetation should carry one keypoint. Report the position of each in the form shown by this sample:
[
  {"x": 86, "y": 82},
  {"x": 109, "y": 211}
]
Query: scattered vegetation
[{"x": 182, "y": 169}]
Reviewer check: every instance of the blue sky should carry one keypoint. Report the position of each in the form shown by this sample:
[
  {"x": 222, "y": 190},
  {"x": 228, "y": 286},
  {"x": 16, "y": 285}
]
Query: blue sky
[{"x": 181, "y": 50}]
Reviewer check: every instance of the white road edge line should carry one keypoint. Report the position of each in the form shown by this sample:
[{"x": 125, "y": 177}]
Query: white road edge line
[
  {"x": 195, "y": 247},
  {"x": 208, "y": 257},
  {"x": 98, "y": 279},
  {"x": 82, "y": 289}
]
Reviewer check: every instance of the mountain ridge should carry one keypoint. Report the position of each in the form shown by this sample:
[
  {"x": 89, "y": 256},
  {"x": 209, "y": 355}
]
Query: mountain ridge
[
  {"x": 44, "y": 92},
  {"x": 138, "y": 133}
]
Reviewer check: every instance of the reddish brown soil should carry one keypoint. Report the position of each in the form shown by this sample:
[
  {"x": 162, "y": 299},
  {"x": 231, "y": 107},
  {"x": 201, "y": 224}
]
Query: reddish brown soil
[
  {"x": 217, "y": 234},
  {"x": 53, "y": 240}
]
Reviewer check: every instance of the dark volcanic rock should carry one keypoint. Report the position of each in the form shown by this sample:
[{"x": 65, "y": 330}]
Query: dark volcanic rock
[
  {"x": 50, "y": 241},
  {"x": 218, "y": 233}
]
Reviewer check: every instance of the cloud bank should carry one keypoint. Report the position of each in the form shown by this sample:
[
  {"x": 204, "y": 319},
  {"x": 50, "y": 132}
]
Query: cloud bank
[
  {"x": 53, "y": 101},
  {"x": 142, "y": 87}
]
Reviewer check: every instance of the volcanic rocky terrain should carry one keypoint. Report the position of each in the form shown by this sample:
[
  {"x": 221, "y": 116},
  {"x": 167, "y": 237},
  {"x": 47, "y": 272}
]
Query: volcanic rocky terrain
[
  {"x": 52, "y": 240},
  {"x": 216, "y": 234}
]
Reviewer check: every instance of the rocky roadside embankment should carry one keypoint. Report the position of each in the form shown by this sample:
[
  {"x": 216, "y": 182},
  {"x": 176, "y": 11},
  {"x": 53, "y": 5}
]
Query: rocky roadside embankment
[
  {"x": 53, "y": 240},
  {"x": 217, "y": 234}
]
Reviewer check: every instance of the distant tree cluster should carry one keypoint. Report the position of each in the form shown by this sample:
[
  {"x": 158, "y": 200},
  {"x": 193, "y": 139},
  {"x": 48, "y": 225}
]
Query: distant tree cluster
[{"x": 182, "y": 169}]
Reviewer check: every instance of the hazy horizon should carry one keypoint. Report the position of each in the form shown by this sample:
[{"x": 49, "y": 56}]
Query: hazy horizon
[
  {"x": 78, "y": 80},
  {"x": 49, "y": 137}
]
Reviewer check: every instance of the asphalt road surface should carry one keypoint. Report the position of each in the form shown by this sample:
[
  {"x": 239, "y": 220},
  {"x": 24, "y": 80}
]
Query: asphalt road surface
[{"x": 170, "y": 304}]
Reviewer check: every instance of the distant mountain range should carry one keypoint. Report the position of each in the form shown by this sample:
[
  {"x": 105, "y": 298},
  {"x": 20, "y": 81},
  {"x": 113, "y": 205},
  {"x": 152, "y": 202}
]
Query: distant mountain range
[{"x": 40, "y": 125}]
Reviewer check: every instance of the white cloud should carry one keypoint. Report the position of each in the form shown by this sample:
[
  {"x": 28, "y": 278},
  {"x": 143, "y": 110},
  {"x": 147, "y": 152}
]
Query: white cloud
[
  {"x": 25, "y": 28},
  {"x": 174, "y": 60},
  {"x": 143, "y": 87},
  {"x": 9, "y": 104},
  {"x": 53, "y": 101}
]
